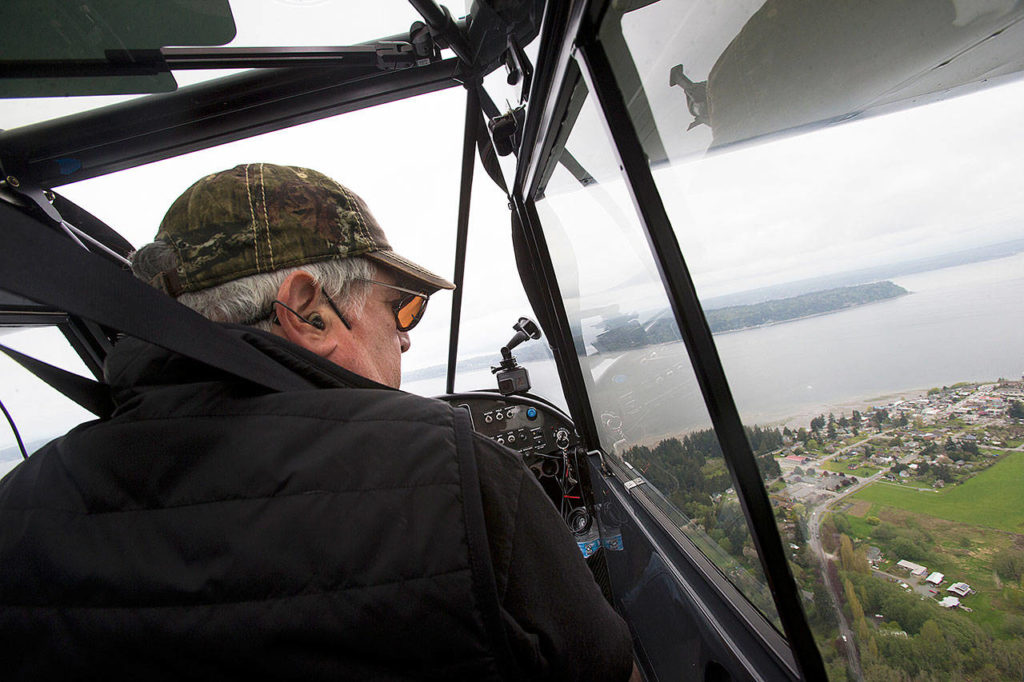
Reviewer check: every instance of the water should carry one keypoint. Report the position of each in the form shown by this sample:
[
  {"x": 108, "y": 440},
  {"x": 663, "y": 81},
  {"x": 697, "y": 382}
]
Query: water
[
  {"x": 958, "y": 324},
  {"x": 964, "y": 323}
]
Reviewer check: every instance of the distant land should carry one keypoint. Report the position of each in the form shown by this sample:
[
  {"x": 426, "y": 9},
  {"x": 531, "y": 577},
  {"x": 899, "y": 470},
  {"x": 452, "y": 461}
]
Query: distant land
[
  {"x": 805, "y": 305},
  {"x": 776, "y": 292},
  {"x": 14, "y": 453},
  {"x": 865, "y": 275}
]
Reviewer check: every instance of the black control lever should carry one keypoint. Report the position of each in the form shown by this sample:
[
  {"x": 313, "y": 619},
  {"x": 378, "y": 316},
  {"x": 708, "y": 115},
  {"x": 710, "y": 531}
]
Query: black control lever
[{"x": 511, "y": 377}]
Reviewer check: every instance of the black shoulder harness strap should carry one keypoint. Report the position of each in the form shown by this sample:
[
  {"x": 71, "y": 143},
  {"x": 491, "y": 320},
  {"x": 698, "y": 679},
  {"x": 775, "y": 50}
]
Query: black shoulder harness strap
[
  {"x": 39, "y": 264},
  {"x": 484, "y": 583}
]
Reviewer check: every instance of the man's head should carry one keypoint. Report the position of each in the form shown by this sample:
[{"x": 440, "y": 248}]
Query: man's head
[{"x": 250, "y": 244}]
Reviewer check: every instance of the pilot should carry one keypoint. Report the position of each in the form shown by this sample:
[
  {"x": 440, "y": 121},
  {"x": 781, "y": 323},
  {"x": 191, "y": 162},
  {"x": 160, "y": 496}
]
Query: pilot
[{"x": 213, "y": 528}]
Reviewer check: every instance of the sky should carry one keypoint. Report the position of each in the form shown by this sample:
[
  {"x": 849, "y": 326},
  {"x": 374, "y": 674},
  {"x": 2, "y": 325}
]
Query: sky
[{"x": 926, "y": 180}]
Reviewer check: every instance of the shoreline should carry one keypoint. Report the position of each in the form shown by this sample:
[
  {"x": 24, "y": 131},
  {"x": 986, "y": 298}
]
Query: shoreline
[
  {"x": 775, "y": 323},
  {"x": 803, "y": 418}
]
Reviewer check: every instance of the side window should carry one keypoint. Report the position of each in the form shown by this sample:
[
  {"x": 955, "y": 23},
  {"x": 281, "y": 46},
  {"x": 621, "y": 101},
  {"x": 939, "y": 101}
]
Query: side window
[
  {"x": 410, "y": 185},
  {"x": 641, "y": 385},
  {"x": 863, "y": 279},
  {"x": 40, "y": 413},
  {"x": 494, "y": 299}
]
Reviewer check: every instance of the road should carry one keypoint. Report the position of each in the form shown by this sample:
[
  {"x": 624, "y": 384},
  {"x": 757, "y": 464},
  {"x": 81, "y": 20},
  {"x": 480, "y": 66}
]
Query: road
[{"x": 814, "y": 539}]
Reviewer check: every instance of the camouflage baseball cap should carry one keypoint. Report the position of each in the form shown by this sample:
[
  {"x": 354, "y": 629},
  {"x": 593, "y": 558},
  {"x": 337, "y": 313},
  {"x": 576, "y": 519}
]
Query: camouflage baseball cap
[{"x": 260, "y": 217}]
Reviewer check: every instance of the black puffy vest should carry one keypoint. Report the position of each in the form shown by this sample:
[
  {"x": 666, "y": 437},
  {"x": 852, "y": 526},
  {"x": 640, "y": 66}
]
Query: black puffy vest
[{"x": 212, "y": 530}]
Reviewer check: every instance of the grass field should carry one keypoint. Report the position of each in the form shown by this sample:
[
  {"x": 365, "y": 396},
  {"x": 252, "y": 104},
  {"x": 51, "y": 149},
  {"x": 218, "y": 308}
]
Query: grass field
[
  {"x": 992, "y": 499},
  {"x": 962, "y": 552},
  {"x": 862, "y": 471}
]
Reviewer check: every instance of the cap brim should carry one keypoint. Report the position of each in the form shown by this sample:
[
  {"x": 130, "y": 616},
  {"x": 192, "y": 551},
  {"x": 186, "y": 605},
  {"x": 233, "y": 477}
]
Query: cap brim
[{"x": 431, "y": 281}]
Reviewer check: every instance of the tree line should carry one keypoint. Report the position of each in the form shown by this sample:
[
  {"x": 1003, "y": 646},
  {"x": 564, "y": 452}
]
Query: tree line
[
  {"x": 691, "y": 472},
  {"x": 815, "y": 303}
]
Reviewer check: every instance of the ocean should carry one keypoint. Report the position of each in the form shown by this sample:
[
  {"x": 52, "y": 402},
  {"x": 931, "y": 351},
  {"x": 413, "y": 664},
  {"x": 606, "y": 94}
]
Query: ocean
[{"x": 963, "y": 323}]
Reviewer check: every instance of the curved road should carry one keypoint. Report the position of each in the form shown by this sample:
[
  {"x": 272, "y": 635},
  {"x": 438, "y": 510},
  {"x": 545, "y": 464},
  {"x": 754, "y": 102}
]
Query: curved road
[{"x": 814, "y": 539}]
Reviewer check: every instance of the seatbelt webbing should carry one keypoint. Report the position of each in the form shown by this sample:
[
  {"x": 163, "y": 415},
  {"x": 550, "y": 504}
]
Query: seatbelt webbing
[{"x": 38, "y": 264}]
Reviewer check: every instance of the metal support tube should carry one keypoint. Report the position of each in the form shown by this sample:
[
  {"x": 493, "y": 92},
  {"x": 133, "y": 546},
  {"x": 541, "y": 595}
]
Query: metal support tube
[
  {"x": 462, "y": 236},
  {"x": 157, "y": 127},
  {"x": 560, "y": 339}
]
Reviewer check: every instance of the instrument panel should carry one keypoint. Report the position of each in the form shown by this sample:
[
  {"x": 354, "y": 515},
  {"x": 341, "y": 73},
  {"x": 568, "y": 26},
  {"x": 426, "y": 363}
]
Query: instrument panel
[
  {"x": 548, "y": 443},
  {"x": 525, "y": 425}
]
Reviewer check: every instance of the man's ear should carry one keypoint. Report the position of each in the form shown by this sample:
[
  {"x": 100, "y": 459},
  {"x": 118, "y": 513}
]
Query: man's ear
[{"x": 301, "y": 294}]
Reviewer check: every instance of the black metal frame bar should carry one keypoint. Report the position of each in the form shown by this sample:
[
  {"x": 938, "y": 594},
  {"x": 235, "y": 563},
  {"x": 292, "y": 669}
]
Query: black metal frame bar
[
  {"x": 755, "y": 645},
  {"x": 704, "y": 357},
  {"x": 561, "y": 22},
  {"x": 158, "y": 127},
  {"x": 165, "y": 59},
  {"x": 559, "y": 337},
  {"x": 469, "y": 138},
  {"x": 88, "y": 340}
]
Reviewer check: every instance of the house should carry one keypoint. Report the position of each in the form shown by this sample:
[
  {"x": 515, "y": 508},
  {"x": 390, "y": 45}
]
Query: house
[
  {"x": 939, "y": 483},
  {"x": 914, "y": 569},
  {"x": 962, "y": 589},
  {"x": 949, "y": 603},
  {"x": 874, "y": 554},
  {"x": 935, "y": 578}
]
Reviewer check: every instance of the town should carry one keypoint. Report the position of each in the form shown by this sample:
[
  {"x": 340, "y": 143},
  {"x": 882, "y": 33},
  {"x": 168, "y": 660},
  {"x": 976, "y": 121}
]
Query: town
[{"x": 878, "y": 496}]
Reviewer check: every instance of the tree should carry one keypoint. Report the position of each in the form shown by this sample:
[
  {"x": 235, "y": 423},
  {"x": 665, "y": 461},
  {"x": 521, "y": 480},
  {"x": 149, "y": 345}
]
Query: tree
[
  {"x": 846, "y": 552},
  {"x": 931, "y": 647},
  {"x": 1009, "y": 564},
  {"x": 856, "y": 610},
  {"x": 1016, "y": 409},
  {"x": 831, "y": 432}
]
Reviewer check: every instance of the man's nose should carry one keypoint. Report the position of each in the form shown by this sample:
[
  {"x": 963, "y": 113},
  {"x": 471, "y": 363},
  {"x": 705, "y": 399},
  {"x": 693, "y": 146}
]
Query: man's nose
[{"x": 404, "y": 339}]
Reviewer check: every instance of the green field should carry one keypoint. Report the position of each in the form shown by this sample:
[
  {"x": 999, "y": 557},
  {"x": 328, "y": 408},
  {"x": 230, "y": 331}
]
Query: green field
[
  {"x": 994, "y": 498},
  {"x": 862, "y": 471}
]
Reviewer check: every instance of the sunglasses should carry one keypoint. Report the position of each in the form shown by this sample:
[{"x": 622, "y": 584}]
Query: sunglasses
[{"x": 408, "y": 310}]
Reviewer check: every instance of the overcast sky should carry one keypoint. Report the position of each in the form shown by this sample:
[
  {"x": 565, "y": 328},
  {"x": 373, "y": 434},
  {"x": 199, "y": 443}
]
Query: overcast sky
[{"x": 928, "y": 180}]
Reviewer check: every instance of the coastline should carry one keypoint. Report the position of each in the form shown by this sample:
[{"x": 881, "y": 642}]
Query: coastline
[
  {"x": 803, "y": 418},
  {"x": 774, "y": 323}
]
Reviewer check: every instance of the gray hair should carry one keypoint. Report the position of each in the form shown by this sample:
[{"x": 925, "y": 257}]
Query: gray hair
[{"x": 250, "y": 300}]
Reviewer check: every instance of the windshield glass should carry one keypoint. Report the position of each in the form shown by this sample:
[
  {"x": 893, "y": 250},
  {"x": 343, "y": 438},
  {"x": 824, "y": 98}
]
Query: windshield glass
[
  {"x": 641, "y": 385},
  {"x": 411, "y": 187},
  {"x": 864, "y": 282}
]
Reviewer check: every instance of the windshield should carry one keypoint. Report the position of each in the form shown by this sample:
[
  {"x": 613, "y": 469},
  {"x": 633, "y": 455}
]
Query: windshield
[
  {"x": 860, "y": 260},
  {"x": 642, "y": 389}
]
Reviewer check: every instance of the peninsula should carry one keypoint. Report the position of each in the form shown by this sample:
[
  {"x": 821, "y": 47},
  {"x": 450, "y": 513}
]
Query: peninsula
[{"x": 805, "y": 305}]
